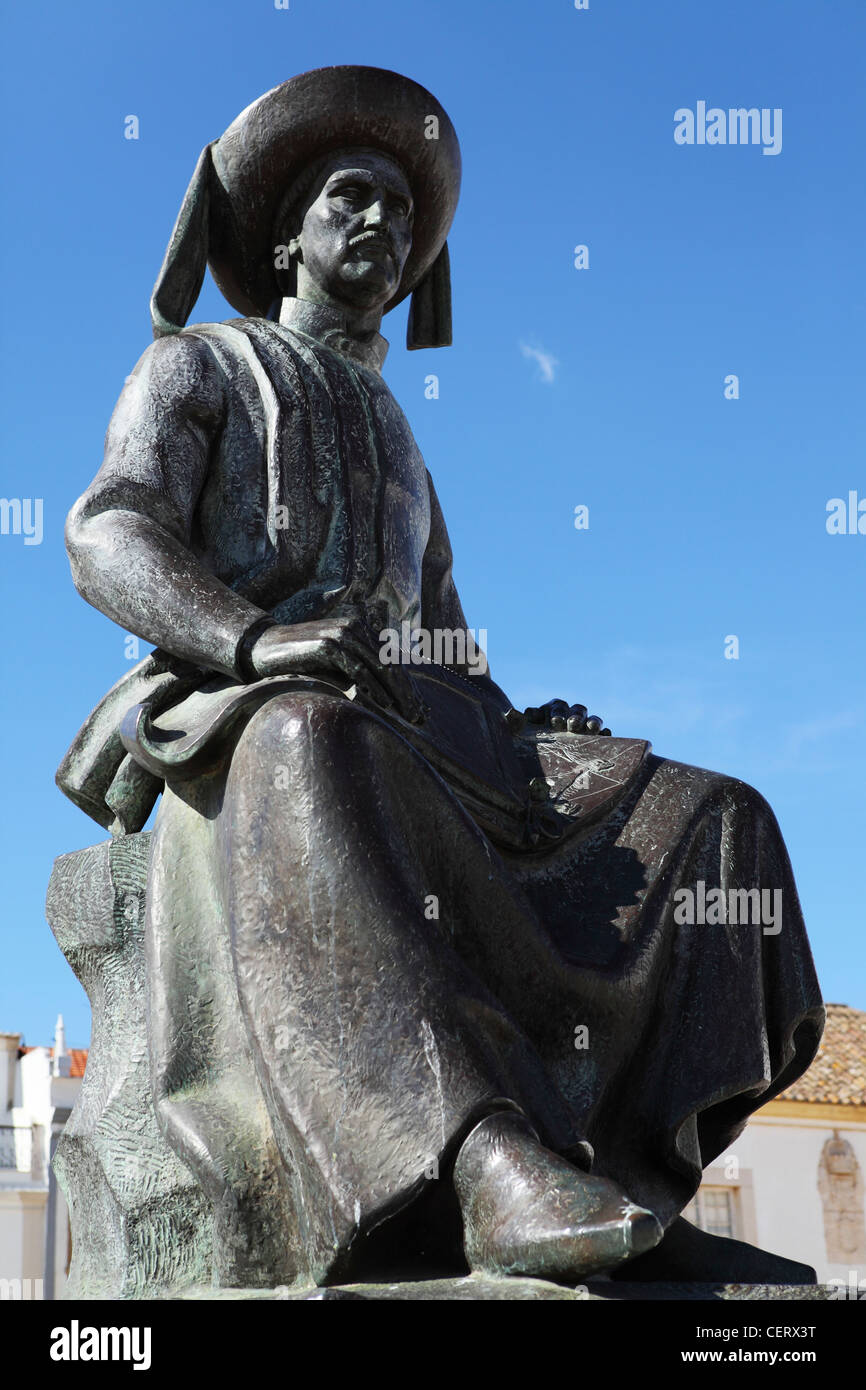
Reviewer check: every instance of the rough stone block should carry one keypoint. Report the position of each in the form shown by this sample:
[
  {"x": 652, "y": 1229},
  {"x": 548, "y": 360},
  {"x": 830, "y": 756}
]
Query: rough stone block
[{"x": 139, "y": 1218}]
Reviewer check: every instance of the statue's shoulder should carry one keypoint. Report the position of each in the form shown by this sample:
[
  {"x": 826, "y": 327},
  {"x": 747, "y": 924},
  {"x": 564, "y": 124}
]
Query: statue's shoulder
[
  {"x": 220, "y": 328},
  {"x": 176, "y": 371},
  {"x": 254, "y": 362},
  {"x": 238, "y": 340},
  {"x": 177, "y": 368},
  {"x": 186, "y": 352},
  {"x": 200, "y": 360},
  {"x": 231, "y": 333}
]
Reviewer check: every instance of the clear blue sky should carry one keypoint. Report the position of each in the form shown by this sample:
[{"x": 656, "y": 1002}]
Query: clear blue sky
[{"x": 707, "y": 515}]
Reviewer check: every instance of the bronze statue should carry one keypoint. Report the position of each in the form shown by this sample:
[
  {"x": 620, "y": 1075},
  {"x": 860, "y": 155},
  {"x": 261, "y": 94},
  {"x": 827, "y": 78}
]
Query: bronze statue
[{"x": 418, "y": 990}]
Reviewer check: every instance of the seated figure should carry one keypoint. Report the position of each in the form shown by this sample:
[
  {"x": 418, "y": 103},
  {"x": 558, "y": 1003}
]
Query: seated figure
[{"x": 420, "y": 994}]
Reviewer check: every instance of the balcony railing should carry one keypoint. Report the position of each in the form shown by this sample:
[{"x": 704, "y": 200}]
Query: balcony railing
[{"x": 16, "y": 1147}]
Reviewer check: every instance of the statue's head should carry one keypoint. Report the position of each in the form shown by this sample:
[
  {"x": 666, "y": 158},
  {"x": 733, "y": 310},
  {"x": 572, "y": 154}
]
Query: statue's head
[
  {"x": 347, "y": 223},
  {"x": 378, "y": 162}
]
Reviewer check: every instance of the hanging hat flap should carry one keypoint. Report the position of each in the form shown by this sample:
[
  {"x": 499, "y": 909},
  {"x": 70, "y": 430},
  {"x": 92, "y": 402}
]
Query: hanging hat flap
[
  {"x": 181, "y": 275},
  {"x": 429, "y": 324}
]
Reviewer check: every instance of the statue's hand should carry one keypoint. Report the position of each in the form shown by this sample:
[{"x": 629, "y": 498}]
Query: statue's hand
[
  {"x": 329, "y": 646},
  {"x": 558, "y": 715}
]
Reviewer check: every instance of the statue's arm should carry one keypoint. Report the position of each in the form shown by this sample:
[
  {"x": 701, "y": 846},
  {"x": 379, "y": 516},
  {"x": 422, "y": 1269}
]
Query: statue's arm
[
  {"x": 440, "y": 602},
  {"x": 128, "y": 535}
]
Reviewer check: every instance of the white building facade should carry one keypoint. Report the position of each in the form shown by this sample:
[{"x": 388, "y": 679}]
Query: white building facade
[
  {"x": 38, "y": 1088},
  {"x": 793, "y": 1183}
]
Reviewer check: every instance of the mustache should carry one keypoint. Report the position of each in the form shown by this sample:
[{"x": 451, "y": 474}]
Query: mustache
[{"x": 377, "y": 237}]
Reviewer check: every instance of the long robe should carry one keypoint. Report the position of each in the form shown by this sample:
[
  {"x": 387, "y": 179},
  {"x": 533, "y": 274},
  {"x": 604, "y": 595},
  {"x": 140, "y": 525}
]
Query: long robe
[{"x": 321, "y": 1042}]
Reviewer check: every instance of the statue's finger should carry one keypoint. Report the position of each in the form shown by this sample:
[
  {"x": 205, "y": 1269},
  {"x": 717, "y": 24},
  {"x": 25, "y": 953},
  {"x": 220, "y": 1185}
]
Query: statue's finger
[
  {"x": 557, "y": 709},
  {"x": 358, "y": 663},
  {"x": 389, "y": 677}
]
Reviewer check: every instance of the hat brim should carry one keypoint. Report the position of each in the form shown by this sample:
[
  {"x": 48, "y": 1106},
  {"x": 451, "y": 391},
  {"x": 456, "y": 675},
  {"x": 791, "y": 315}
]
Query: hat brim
[{"x": 274, "y": 140}]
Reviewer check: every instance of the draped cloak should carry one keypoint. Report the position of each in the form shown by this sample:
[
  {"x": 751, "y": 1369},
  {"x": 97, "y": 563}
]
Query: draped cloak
[{"x": 315, "y": 1092}]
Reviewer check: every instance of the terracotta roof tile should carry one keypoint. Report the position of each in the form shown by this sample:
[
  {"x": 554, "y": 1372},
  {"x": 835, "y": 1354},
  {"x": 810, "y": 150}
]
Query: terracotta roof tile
[
  {"x": 79, "y": 1060},
  {"x": 78, "y": 1057},
  {"x": 838, "y": 1074}
]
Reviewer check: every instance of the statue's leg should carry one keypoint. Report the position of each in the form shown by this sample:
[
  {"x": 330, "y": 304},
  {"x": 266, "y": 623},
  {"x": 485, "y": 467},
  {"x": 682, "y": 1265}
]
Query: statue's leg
[
  {"x": 207, "y": 1101},
  {"x": 686, "y": 1023},
  {"x": 352, "y": 881},
  {"x": 371, "y": 918}
]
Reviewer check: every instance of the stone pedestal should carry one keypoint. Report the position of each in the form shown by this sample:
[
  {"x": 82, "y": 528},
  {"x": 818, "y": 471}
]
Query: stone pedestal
[
  {"x": 139, "y": 1219},
  {"x": 474, "y": 1288}
]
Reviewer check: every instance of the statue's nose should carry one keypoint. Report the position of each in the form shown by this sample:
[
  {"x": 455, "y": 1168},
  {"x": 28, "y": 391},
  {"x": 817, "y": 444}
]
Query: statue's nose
[{"x": 375, "y": 215}]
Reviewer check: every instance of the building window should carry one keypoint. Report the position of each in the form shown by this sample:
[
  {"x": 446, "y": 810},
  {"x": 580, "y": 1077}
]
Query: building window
[
  {"x": 713, "y": 1209},
  {"x": 16, "y": 1147}
]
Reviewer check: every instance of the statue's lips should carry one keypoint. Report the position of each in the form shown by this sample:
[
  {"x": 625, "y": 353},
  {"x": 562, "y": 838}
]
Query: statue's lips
[{"x": 372, "y": 244}]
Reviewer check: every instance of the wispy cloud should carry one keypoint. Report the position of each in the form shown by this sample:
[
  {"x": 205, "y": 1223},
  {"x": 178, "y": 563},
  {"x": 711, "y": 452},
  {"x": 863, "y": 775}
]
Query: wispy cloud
[{"x": 547, "y": 363}]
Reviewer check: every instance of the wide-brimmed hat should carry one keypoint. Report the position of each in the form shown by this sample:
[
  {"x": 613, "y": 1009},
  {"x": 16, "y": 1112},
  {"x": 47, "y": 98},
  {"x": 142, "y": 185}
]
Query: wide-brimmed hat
[{"x": 229, "y": 215}]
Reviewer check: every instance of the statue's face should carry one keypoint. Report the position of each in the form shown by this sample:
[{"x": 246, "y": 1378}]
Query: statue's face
[{"x": 357, "y": 233}]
